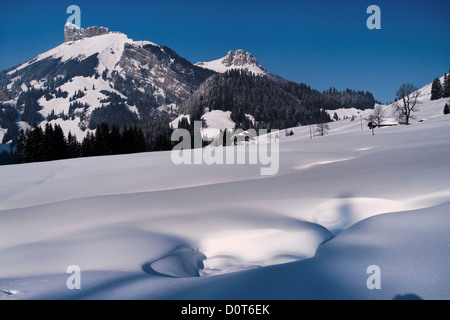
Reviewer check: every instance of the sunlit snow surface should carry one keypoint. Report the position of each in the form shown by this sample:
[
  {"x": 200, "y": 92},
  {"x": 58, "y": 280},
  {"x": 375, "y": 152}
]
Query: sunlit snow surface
[{"x": 140, "y": 227}]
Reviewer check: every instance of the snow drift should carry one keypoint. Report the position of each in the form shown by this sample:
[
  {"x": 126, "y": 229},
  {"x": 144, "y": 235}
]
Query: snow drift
[{"x": 140, "y": 227}]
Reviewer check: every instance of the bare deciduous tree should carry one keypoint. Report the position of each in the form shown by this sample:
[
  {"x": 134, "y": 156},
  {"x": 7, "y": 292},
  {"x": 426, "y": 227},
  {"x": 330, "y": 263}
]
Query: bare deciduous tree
[
  {"x": 322, "y": 128},
  {"x": 407, "y": 101},
  {"x": 378, "y": 115}
]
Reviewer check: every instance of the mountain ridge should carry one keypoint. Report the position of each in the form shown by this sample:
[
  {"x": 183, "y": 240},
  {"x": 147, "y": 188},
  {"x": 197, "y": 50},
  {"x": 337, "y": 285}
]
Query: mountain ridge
[
  {"x": 101, "y": 75},
  {"x": 93, "y": 69},
  {"x": 74, "y": 33}
]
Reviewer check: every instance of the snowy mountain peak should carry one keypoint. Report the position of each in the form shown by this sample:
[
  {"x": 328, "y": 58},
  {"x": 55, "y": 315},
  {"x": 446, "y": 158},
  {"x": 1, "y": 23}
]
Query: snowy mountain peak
[
  {"x": 238, "y": 59},
  {"x": 71, "y": 26},
  {"x": 74, "y": 33}
]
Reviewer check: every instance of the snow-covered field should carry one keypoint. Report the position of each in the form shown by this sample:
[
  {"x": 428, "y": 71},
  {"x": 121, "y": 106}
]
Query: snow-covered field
[{"x": 140, "y": 227}]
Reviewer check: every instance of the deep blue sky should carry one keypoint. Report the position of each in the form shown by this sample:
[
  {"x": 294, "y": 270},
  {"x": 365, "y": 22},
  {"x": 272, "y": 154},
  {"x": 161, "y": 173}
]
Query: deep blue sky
[{"x": 322, "y": 43}]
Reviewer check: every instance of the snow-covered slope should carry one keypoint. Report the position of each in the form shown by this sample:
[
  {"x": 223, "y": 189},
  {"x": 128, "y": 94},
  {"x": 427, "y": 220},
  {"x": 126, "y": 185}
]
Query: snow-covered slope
[
  {"x": 214, "y": 122},
  {"x": 217, "y": 121},
  {"x": 238, "y": 59},
  {"x": 348, "y": 113},
  {"x": 425, "y": 109},
  {"x": 109, "y": 46},
  {"x": 140, "y": 227}
]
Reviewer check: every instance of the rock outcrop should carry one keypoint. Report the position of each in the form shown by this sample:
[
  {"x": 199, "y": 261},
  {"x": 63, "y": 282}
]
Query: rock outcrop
[
  {"x": 74, "y": 33},
  {"x": 239, "y": 58}
]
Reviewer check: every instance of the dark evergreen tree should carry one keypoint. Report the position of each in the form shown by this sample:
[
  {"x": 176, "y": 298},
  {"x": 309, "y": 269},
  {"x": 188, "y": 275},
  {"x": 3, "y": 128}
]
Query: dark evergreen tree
[
  {"x": 52, "y": 116},
  {"x": 127, "y": 140},
  {"x": 45, "y": 145},
  {"x": 28, "y": 100},
  {"x": 116, "y": 140},
  {"x": 157, "y": 134},
  {"x": 446, "y": 109},
  {"x": 88, "y": 146},
  {"x": 59, "y": 143},
  {"x": 141, "y": 145},
  {"x": 336, "y": 117},
  {"x": 21, "y": 148},
  {"x": 35, "y": 151},
  {"x": 103, "y": 145},
  {"x": 160, "y": 142},
  {"x": 436, "y": 89},
  {"x": 49, "y": 143},
  {"x": 133, "y": 140},
  {"x": 446, "y": 89},
  {"x": 113, "y": 113},
  {"x": 61, "y": 94},
  {"x": 79, "y": 94},
  {"x": 73, "y": 147}
]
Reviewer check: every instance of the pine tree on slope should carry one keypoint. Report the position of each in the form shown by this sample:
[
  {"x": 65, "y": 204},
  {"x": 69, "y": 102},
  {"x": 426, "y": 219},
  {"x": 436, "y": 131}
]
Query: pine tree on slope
[
  {"x": 446, "y": 109},
  {"x": 436, "y": 89},
  {"x": 446, "y": 89}
]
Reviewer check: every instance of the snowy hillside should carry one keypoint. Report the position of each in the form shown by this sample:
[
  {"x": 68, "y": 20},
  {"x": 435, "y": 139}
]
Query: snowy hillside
[
  {"x": 109, "y": 46},
  {"x": 140, "y": 227},
  {"x": 426, "y": 109},
  {"x": 214, "y": 122},
  {"x": 348, "y": 113}
]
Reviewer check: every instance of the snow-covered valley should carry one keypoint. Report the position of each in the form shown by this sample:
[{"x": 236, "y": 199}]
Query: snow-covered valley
[{"x": 141, "y": 227}]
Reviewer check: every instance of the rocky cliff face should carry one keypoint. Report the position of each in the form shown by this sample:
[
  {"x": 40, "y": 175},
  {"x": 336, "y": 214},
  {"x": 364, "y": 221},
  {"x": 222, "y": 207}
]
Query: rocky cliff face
[
  {"x": 73, "y": 33},
  {"x": 159, "y": 69},
  {"x": 239, "y": 58}
]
